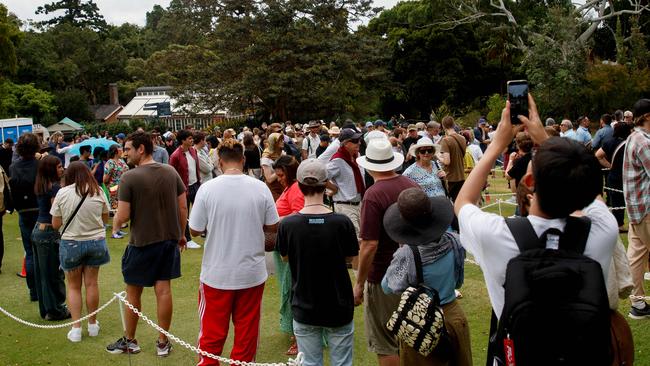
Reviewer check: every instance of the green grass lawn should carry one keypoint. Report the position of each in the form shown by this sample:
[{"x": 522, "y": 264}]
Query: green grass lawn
[{"x": 21, "y": 345}]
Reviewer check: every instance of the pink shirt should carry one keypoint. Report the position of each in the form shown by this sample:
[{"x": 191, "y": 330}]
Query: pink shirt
[{"x": 291, "y": 201}]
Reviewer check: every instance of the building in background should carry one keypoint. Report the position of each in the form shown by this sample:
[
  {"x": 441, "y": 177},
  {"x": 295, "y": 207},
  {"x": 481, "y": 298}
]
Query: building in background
[
  {"x": 142, "y": 107},
  {"x": 107, "y": 113}
]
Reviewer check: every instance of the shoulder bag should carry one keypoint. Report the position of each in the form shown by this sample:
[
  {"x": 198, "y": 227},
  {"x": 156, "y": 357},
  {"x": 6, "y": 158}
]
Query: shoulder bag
[{"x": 74, "y": 214}]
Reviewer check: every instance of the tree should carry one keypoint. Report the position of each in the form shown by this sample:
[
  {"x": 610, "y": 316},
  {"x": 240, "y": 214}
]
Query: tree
[
  {"x": 25, "y": 100},
  {"x": 77, "y": 13},
  {"x": 10, "y": 35},
  {"x": 434, "y": 67},
  {"x": 555, "y": 65},
  {"x": 290, "y": 58},
  {"x": 72, "y": 103}
]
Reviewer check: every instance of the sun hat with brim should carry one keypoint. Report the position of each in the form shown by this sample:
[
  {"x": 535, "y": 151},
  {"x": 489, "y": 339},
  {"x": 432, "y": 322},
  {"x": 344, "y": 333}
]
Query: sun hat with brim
[
  {"x": 313, "y": 124},
  {"x": 416, "y": 219},
  {"x": 380, "y": 157},
  {"x": 423, "y": 142},
  {"x": 372, "y": 135},
  {"x": 334, "y": 131}
]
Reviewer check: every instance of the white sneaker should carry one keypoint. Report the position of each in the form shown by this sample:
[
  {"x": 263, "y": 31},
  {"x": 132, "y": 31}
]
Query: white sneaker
[
  {"x": 646, "y": 276},
  {"x": 74, "y": 335},
  {"x": 93, "y": 329},
  {"x": 193, "y": 245}
]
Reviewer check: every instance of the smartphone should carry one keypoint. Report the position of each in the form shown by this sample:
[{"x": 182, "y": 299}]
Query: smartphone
[{"x": 518, "y": 97}]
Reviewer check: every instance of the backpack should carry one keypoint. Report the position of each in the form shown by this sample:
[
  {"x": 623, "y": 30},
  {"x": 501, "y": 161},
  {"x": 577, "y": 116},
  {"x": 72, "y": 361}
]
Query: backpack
[{"x": 556, "y": 310}]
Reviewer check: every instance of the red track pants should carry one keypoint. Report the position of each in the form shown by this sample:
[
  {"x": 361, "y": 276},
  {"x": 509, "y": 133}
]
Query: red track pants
[{"x": 215, "y": 309}]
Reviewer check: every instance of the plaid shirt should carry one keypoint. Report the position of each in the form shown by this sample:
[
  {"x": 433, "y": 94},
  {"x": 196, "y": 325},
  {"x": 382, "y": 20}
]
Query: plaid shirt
[{"x": 636, "y": 175}]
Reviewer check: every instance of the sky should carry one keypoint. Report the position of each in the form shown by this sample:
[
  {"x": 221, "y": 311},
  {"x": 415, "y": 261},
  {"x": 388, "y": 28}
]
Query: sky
[{"x": 115, "y": 11}]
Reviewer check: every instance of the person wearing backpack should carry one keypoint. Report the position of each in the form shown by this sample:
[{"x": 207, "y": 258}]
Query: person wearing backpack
[
  {"x": 23, "y": 178},
  {"x": 420, "y": 223},
  {"x": 550, "y": 300}
]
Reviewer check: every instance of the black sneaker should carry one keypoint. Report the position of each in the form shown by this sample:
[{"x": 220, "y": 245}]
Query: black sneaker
[
  {"x": 163, "y": 349},
  {"x": 123, "y": 345},
  {"x": 639, "y": 313}
]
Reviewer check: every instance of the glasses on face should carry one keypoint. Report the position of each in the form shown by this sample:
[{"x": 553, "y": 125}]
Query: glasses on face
[
  {"x": 425, "y": 151},
  {"x": 354, "y": 141}
]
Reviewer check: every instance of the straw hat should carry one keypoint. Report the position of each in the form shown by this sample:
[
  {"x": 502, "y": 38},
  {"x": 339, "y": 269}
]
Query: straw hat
[
  {"x": 380, "y": 157},
  {"x": 423, "y": 142}
]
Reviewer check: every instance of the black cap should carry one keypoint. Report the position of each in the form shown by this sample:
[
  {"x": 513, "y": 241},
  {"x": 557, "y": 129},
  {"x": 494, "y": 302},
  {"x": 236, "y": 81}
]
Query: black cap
[{"x": 349, "y": 134}]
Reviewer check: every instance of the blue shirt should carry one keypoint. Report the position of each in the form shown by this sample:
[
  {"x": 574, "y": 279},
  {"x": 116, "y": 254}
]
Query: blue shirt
[
  {"x": 582, "y": 135},
  {"x": 45, "y": 204},
  {"x": 438, "y": 275},
  {"x": 601, "y": 135}
]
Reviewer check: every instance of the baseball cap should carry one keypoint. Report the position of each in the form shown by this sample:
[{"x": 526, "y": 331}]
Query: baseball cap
[
  {"x": 312, "y": 172},
  {"x": 369, "y": 124},
  {"x": 379, "y": 123},
  {"x": 348, "y": 134},
  {"x": 120, "y": 136},
  {"x": 412, "y": 128}
]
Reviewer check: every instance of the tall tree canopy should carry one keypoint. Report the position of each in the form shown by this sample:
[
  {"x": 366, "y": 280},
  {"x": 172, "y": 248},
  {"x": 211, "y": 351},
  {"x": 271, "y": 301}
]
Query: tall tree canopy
[{"x": 77, "y": 13}]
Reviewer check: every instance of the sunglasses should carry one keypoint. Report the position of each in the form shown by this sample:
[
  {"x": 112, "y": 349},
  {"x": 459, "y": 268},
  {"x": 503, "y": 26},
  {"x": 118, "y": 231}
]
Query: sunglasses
[
  {"x": 425, "y": 151},
  {"x": 354, "y": 141}
]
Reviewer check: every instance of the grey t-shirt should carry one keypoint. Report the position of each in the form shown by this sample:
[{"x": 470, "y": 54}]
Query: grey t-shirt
[{"x": 152, "y": 190}]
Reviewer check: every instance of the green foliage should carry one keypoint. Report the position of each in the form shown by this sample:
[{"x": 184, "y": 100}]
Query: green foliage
[
  {"x": 555, "y": 66},
  {"x": 73, "y": 104},
  {"x": 77, "y": 13},
  {"x": 495, "y": 105},
  {"x": 611, "y": 87},
  {"x": 25, "y": 100},
  {"x": 433, "y": 66},
  {"x": 10, "y": 36}
]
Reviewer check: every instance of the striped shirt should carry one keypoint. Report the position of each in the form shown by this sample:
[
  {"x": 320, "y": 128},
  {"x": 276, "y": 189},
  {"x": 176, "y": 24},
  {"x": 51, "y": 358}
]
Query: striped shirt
[
  {"x": 339, "y": 172},
  {"x": 636, "y": 175}
]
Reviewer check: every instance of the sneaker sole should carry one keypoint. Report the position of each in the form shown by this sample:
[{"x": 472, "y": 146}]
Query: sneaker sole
[
  {"x": 637, "y": 317},
  {"x": 119, "y": 351}
]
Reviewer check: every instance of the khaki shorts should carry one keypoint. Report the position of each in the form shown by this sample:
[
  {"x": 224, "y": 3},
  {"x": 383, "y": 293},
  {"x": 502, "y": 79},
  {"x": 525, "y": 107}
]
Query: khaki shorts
[
  {"x": 378, "y": 308},
  {"x": 352, "y": 212}
]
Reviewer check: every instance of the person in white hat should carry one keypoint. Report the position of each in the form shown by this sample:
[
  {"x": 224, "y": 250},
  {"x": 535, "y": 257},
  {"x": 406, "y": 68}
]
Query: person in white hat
[
  {"x": 377, "y": 248},
  {"x": 426, "y": 172}
]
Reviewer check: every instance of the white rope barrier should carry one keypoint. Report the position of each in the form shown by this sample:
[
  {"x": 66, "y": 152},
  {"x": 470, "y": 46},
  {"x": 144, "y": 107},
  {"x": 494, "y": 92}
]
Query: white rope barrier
[
  {"x": 298, "y": 361},
  {"x": 291, "y": 362},
  {"x": 57, "y": 326},
  {"x": 613, "y": 189}
]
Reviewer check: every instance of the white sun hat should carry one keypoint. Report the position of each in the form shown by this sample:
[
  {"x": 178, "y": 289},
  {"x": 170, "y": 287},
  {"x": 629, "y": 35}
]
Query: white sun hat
[
  {"x": 423, "y": 142},
  {"x": 380, "y": 157}
]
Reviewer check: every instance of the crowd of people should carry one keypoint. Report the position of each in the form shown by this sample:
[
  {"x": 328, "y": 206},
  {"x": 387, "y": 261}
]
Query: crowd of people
[{"x": 321, "y": 200}]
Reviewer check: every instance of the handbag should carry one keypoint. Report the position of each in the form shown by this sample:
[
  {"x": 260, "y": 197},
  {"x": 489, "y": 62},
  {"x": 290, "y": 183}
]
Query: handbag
[
  {"x": 74, "y": 213},
  {"x": 419, "y": 320}
]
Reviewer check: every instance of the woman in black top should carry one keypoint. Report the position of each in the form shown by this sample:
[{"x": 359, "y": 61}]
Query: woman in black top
[
  {"x": 253, "y": 154},
  {"x": 610, "y": 155},
  {"x": 48, "y": 276}
]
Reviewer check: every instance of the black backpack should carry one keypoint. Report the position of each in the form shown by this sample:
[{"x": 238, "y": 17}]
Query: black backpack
[{"x": 556, "y": 310}]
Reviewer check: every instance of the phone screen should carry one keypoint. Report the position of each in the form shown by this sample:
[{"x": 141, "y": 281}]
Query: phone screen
[{"x": 518, "y": 97}]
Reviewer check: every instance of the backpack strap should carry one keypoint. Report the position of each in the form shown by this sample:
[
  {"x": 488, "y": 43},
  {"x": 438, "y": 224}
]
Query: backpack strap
[
  {"x": 524, "y": 234},
  {"x": 418, "y": 263},
  {"x": 576, "y": 233}
]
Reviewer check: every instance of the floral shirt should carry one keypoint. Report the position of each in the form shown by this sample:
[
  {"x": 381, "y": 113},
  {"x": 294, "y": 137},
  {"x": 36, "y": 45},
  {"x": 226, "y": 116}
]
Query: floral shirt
[
  {"x": 429, "y": 182},
  {"x": 115, "y": 170}
]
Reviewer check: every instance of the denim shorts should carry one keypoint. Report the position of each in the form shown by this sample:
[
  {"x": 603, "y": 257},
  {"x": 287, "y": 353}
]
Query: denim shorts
[{"x": 76, "y": 253}]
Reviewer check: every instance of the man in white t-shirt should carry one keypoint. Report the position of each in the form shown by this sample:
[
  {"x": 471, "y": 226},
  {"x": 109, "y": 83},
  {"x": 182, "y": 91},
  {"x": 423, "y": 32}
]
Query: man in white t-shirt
[
  {"x": 234, "y": 210},
  {"x": 558, "y": 163}
]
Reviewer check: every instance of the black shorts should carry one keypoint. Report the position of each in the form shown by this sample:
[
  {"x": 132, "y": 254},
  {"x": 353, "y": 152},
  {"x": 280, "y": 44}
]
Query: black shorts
[{"x": 143, "y": 266}]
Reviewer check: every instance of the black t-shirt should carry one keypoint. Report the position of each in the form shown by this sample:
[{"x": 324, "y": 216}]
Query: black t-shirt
[
  {"x": 409, "y": 141},
  {"x": 320, "y": 149},
  {"x": 317, "y": 246},
  {"x": 253, "y": 156},
  {"x": 519, "y": 168},
  {"x": 615, "y": 176},
  {"x": 5, "y": 158}
]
